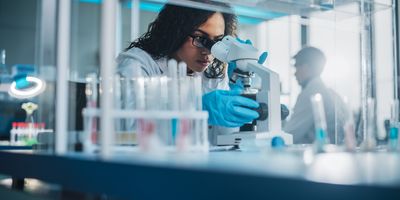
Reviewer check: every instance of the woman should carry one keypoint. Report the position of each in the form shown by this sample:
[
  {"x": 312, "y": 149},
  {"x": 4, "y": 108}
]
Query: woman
[{"x": 179, "y": 33}]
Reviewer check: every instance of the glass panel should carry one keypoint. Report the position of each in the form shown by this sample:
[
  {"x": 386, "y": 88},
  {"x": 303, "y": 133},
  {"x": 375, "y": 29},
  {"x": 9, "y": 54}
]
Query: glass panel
[
  {"x": 85, "y": 39},
  {"x": 333, "y": 27},
  {"x": 27, "y": 70},
  {"x": 383, "y": 53},
  {"x": 340, "y": 41},
  {"x": 28, "y": 36}
]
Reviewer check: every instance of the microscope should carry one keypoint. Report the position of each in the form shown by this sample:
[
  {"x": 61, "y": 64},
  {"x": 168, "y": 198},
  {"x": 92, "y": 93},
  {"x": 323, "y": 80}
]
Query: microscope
[{"x": 268, "y": 125}]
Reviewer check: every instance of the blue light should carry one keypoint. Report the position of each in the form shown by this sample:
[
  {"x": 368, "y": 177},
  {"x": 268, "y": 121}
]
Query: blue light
[
  {"x": 249, "y": 20},
  {"x": 91, "y": 1},
  {"x": 146, "y": 6},
  {"x": 151, "y": 7}
]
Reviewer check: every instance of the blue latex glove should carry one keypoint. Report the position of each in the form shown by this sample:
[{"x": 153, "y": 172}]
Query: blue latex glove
[
  {"x": 232, "y": 65},
  {"x": 227, "y": 108}
]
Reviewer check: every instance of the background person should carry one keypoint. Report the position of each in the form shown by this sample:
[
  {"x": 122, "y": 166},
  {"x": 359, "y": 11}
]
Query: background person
[{"x": 309, "y": 64}]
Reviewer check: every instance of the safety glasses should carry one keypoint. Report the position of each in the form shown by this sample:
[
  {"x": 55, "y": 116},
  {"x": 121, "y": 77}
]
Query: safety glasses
[{"x": 202, "y": 42}]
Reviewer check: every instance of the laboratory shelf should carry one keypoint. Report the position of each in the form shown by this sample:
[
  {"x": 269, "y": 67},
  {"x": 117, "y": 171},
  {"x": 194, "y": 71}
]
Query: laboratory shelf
[
  {"x": 217, "y": 175},
  {"x": 270, "y": 9},
  {"x": 338, "y": 9}
]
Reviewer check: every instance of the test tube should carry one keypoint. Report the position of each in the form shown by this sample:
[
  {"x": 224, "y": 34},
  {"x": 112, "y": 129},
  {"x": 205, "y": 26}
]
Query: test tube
[
  {"x": 182, "y": 67},
  {"x": 164, "y": 125},
  {"x": 13, "y": 133},
  {"x": 118, "y": 83},
  {"x": 194, "y": 106},
  {"x": 186, "y": 105},
  {"x": 183, "y": 85},
  {"x": 139, "y": 102},
  {"x": 127, "y": 102},
  {"x": 91, "y": 103},
  {"x": 18, "y": 133},
  {"x": 349, "y": 129},
  {"x": 163, "y": 92},
  {"x": 196, "y": 140},
  {"x": 148, "y": 140},
  {"x": 203, "y": 123},
  {"x": 152, "y": 103},
  {"x": 185, "y": 124},
  {"x": 394, "y": 126},
  {"x": 174, "y": 97},
  {"x": 321, "y": 137},
  {"x": 369, "y": 142}
]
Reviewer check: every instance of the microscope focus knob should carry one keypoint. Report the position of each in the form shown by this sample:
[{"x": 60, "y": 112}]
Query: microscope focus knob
[
  {"x": 284, "y": 112},
  {"x": 262, "y": 111}
]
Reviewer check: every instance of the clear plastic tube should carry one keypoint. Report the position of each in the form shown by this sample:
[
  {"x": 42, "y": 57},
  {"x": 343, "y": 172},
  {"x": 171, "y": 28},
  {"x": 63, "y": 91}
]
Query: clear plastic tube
[
  {"x": 321, "y": 137},
  {"x": 369, "y": 142},
  {"x": 182, "y": 67},
  {"x": 149, "y": 139},
  {"x": 178, "y": 126},
  {"x": 184, "y": 94},
  {"x": 164, "y": 125},
  {"x": 183, "y": 138},
  {"x": 174, "y": 100},
  {"x": 394, "y": 126},
  {"x": 197, "y": 100},
  {"x": 91, "y": 132},
  {"x": 118, "y": 81},
  {"x": 349, "y": 129}
]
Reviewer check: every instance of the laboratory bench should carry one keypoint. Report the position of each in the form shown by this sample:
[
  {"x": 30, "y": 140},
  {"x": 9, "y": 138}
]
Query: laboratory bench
[{"x": 222, "y": 173}]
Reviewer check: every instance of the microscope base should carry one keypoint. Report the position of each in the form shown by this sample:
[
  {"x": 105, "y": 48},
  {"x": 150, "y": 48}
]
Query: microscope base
[{"x": 236, "y": 138}]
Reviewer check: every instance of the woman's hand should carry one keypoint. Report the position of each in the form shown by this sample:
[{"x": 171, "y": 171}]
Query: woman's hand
[{"x": 228, "y": 108}]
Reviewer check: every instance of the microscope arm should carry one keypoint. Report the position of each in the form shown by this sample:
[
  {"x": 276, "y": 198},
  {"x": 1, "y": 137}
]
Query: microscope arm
[
  {"x": 246, "y": 56},
  {"x": 270, "y": 94}
]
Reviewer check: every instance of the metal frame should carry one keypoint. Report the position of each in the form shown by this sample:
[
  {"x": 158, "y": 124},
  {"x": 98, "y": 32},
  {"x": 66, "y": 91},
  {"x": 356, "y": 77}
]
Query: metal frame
[
  {"x": 63, "y": 61},
  {"x": 107, "y": 65},
  {"x": 135, "y": 19},
  {"x": 367, "y": 69},
  {"x": 45, "y": 56},
  {"x": 396, "y": 55}
]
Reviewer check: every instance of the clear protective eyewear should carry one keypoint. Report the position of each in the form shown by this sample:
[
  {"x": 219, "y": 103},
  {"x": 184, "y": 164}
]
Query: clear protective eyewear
[{"x": 202, "y": 42}]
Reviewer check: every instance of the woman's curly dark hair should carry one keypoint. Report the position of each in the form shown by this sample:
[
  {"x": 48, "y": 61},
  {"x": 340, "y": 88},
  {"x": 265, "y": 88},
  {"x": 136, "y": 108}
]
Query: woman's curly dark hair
[{"x": 169, "y": 31}]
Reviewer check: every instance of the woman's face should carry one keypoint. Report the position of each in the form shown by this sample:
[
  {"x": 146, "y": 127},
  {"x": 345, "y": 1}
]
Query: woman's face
[{"x": 198, "y": 58}]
